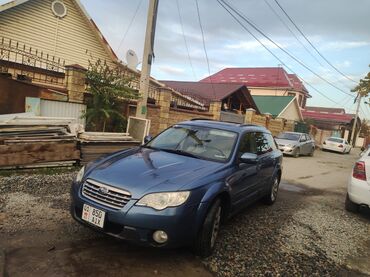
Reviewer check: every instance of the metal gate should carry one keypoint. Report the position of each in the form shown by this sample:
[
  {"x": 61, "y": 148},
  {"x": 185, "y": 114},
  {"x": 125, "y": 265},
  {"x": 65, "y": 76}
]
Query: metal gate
[
  {"x": 301, "y": 127},
  {"x": 232, "y": 117}
]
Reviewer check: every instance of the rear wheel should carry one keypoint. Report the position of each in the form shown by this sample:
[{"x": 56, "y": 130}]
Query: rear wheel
[
  {"x": 312, "y": 152},
  {"x": 206, "y": 240},
  {"x": 351, "y": 206}
]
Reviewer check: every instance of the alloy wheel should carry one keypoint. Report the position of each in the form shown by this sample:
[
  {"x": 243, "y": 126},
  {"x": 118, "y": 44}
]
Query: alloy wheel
[{"x": 275, "y": 189}]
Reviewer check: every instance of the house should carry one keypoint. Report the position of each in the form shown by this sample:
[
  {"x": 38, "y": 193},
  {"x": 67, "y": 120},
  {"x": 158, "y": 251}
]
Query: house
[
  {"x": 333, "y": 120},
  {"x": 49, "y": 44},
  {"x": 271, "y": 81},
  {"x": 234, "y": 99},
  {"x": 285, "y": 107}
]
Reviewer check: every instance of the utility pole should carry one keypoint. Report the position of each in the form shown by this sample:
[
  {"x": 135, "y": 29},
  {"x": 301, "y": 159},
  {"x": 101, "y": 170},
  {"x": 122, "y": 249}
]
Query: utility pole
[
  {"x": 359, "y": 97},
  {"x": 141, "y": 108}
]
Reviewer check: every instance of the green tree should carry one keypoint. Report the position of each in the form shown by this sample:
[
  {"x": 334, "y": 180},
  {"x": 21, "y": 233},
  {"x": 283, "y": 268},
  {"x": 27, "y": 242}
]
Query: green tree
[
  {"x": 109, "y": 88},
  {"x": 363, "y": 88}
]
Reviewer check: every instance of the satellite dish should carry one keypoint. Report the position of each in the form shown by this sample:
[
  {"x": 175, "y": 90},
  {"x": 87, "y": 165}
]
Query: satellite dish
[{"x": 132, "y": 59}]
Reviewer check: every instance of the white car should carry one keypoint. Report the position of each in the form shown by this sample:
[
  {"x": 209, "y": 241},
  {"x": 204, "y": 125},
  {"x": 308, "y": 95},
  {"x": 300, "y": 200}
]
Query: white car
[
  {"x": 336, "y": 144},
  {"x": 359, "y": 184}
]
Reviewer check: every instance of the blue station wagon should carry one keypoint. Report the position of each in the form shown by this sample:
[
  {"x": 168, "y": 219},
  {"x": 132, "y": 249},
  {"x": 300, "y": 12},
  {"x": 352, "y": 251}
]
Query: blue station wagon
[{"x": 177, "y": 188}]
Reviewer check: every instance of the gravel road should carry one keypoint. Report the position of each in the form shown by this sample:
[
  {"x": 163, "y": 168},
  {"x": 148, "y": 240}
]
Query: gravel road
[{"x": 306, "y": 233}]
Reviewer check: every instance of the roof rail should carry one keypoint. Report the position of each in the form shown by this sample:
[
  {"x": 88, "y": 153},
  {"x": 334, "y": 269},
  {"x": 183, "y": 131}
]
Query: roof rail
[
  {"x": 250, "y": 124},
  {"x": 200, "y": 118}
]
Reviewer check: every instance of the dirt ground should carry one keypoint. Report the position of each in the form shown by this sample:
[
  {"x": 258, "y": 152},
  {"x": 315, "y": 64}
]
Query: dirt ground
[{"x": 307, "y": 232}]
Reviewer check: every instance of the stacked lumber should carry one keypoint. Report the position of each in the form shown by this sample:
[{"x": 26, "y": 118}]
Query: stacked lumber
[
  {"x": 37, "y": 142},
  {"x": 95, "y": 144}
]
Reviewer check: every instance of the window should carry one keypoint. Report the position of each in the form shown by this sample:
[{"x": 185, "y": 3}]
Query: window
[
  {"x": 271, "y": 141},
  {"x": 248, "y": 144},
  {"x": 263, "y": 145}
]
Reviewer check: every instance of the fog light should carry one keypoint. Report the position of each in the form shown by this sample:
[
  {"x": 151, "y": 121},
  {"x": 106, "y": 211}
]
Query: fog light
[{"x": 160, "y": 236}]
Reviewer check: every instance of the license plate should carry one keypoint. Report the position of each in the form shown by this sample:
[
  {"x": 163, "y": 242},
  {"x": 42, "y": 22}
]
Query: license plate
[{"x": 93, "y": 215}]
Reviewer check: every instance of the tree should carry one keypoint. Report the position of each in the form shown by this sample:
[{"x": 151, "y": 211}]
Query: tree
[
  {"x": 109, "y": 88},
  {"x": 363, "y": 88}
]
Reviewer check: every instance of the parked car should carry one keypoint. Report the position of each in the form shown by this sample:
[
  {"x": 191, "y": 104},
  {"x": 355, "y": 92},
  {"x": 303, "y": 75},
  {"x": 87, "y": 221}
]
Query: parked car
[
  {"x": 337, "y": 145},
  {"x": 359, "y": 184},
  {"x": 176, "y": 189},
  {"x": 295, "y": 144}
]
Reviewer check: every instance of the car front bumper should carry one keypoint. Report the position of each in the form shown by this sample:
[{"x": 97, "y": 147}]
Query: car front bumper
[
  {"x": 359, "y": 191},
  {"x": 137, "y": 224},
  {"x": 287, "y": 150}
]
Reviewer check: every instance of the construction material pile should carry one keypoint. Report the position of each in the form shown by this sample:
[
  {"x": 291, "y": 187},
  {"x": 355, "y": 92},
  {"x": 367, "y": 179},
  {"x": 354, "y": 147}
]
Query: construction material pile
[
  {"x": 95, "y": 144},
  {"x": 30, "y": 141}
]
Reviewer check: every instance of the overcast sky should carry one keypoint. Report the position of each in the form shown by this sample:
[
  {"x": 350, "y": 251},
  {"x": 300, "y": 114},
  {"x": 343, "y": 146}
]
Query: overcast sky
[{"x": 338, "y": 28}]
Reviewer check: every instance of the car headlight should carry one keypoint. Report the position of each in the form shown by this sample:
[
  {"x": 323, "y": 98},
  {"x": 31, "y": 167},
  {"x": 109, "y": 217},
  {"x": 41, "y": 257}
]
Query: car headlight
[
  {"x": 162, "y": 200},
  {"x": 80, "y": 175}
]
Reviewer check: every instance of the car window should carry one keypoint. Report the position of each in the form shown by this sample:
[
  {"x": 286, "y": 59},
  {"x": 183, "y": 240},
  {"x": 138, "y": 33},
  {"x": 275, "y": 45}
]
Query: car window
[
  {"x": 338, "y": 140},
  {"x": 247, "y": 144},
  {"x": 271, "y": 141},
  {"x": 303, "y": 138},
  {"x": 288, "y": 136},
  {"x": 263, "y": 145},
  {"x": 205, "y": 143}
]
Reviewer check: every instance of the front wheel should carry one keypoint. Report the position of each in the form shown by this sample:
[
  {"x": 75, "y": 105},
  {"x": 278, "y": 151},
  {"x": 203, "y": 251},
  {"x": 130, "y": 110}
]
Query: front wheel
[
  {"x": 271, "y": 197},
  {"x": 296, "y": 153},
  {"x": 205, "y": 242}
]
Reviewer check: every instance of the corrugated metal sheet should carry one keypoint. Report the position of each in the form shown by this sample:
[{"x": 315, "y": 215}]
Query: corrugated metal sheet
[
  {"x": 34, "y": 24},
  {"x": 63, "y": 109}
]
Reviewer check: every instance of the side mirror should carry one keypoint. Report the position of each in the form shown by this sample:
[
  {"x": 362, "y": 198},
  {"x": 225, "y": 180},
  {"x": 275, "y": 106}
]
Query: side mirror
[
  {"x": 248, "y": 158},
  {"x": 148, "y": 138}
]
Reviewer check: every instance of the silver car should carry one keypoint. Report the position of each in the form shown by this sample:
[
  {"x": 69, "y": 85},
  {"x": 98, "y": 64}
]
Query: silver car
[{"x": 295, "y": 144}]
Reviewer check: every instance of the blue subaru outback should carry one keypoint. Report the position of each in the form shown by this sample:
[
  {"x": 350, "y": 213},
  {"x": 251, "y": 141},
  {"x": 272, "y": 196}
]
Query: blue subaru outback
[{"x": 176, "y": 189}]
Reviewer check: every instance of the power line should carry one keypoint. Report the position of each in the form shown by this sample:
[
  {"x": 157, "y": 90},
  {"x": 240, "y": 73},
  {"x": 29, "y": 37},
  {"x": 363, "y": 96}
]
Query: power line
[
  {"x": 293, "y": 34},
  {"x": 313, "y": 46},
  {"x": 282, "y": 49},
  {"x": 204, "y": 46},
  {"x": 272, "y": 53},
  {"x": 129, "y": 25},
  {"x": 185, "y": 41}
]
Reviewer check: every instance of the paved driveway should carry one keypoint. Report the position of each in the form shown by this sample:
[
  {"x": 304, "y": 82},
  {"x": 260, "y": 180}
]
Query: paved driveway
[{"x": 307, "y": 232}]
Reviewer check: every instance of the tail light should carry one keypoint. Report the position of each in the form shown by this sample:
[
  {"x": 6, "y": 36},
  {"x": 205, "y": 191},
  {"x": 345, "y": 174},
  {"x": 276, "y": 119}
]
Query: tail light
[
  {"x": 340, "y": 145},
  {"x": 359, "y": 171}
]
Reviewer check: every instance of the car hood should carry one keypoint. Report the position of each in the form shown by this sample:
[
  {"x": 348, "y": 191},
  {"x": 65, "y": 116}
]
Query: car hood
[
  {"x": 147, "y": 170},
  {"x": 286, "y": 141}
]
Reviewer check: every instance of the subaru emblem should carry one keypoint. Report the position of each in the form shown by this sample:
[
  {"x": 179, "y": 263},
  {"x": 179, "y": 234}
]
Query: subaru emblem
[{"x": 103, "y": 190}]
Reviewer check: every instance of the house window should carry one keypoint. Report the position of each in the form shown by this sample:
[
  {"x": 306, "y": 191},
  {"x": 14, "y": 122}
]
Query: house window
[{"x": 59, "y": 9}]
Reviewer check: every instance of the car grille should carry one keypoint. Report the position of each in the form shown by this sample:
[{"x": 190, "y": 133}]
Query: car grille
[{"x": 106, "y": 195}]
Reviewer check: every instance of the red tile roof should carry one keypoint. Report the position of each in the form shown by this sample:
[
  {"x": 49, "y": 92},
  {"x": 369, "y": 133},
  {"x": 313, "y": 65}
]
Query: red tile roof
[
  {"x": 326, "y": 110},
  {"x": 206, "y": 92},
  {"x": 275, "y": 77},
  {"x": 328, "y": 117}
]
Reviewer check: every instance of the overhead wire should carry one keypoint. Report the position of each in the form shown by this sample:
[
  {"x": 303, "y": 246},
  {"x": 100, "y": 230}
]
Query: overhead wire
[
  {"x": 272, "y": 53},
  {"x": 129, "y": 25},
  {"x": 292, "y": 33},
  {"x": 242, "y": 16},
  {"x": 204, "y": 47},
  {"x": 185, "y": 40},
  {"x": 313, "y": 46}
]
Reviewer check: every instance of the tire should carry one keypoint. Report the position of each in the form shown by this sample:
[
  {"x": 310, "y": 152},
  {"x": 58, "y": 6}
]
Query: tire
[
  {"x": 206, "y": 239},
  {"x": 296, "y": 153},
  {"x": 312, "y": 152},
  {"x": 349, "y": 151},
  {"x": 271, "y": 197},
  {"x": 350, "y": 206}
]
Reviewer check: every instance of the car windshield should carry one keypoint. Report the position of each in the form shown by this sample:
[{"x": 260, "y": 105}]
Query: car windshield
[
  {"x": 289, "y": 136},
  {"x": 199, "y": 142},
  {"x": 338, "y": 140}
]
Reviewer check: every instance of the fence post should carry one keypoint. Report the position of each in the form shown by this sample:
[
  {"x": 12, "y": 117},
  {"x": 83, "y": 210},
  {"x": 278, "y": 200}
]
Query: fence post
[
  {"x": 75, "y": 80},
  {"x": 164, "y": 103},
  {"x": 215, "y": 109},
  {"x": 249, "y": 114}
]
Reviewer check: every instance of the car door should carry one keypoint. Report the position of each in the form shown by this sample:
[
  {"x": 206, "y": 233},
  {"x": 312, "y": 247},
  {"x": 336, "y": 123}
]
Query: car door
[
  {"x": 303, "y": 144},
  {"x": 245, "y": 179}
]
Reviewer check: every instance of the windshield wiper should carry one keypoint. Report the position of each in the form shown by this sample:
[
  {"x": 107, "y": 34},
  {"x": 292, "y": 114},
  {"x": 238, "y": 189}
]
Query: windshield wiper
[{"x": 180, "y": 152}]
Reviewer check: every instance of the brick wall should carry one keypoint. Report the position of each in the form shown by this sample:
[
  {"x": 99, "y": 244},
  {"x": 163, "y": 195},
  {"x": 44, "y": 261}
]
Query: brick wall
[
  {"x": 178, "y": 115},
  {"x": 153, "y": 115}
]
